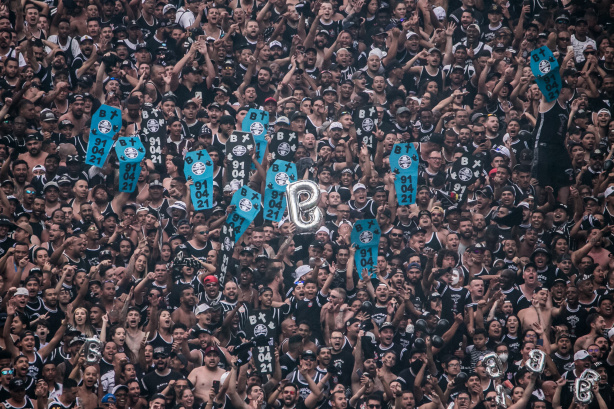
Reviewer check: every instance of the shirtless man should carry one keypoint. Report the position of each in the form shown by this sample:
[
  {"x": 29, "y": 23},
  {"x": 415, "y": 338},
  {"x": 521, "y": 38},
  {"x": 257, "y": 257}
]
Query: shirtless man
[
  {"x": 75, "y": 115},
  {"x": 540, "y": 311},
  {"x": 597, "y": 324},
  {"x": 202, "y": 377},
  {"x": 35, "y": 155},
  {"x": 185, "y": 312},
  {"x": 86, "y": 395},
  {"x": 135, "y": 401}
]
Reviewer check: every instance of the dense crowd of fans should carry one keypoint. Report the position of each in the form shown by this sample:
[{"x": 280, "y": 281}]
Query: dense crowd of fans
[{"x": 117, "y": 300}]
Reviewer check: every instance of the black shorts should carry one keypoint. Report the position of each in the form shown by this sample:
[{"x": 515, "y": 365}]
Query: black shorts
[{"x": 552, "y": 167}]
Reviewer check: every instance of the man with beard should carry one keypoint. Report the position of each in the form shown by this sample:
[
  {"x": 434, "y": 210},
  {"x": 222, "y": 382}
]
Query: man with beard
[
  {"x": 11, "y": 70},
  {"x": 75, "y": 116},
  {"x": 20, "y": 170},
  {"x": 6, "y": 50},
  {"x": 155, "y": 381},
  {"x": 86, "y": 48},
  {"x": 86, "y": 214},
  {"x": 51, "y": 310},
  {"x": 264, "y": 87},
  {"x": 230, "y": 296},
  {"x": 288, "y": 394},
  {"x": 185, "y": 312},
  {"x": 161, "y": 38},
  {"x": 203, "y": 377},
  {"x": 37, "y": 219},
  {"x": 58, "y": 67},
  {"x": 465, "y": 232},
  {"x": 510, "y": 251},
  {"x": 135, "y": 401}
]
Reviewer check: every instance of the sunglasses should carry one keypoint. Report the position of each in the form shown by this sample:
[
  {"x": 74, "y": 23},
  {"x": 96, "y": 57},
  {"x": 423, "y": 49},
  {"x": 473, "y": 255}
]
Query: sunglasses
[
  {"x": 7, "y": 372},
  {"x": 30, "y": 192}
]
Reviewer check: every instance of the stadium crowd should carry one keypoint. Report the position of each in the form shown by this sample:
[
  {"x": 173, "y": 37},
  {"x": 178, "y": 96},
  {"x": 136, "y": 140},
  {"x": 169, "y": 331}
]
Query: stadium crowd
[{"x": 120, "y": 300}]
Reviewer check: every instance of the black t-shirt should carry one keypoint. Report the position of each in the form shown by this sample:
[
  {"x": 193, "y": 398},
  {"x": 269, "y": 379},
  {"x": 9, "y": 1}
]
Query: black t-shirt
[
  {"x": 153, "y": 383},
  {"x": 575, "y": 319},
  {"x": 287, "y": 364}
]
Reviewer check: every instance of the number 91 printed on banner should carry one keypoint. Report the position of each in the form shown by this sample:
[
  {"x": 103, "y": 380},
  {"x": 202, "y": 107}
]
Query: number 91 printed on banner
[
  {"x": 105, "y": 123},
  {"x": 365, "y": 236},
  {"x": 130, "y": 152},
  {"x": 247, "y": 205},
  {"x": 278, "y": 176},
  {"x": 199, "y": 167},
  {"x": 404, "y": 161}
]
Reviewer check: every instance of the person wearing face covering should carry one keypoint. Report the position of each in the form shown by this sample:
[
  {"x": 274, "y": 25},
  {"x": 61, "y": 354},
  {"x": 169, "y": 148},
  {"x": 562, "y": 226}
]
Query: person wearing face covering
[{"x": 453, "y": 295}]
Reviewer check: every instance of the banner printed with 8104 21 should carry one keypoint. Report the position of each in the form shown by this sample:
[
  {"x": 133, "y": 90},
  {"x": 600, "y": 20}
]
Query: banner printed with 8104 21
[
  {"x": 278, "y": 176},
  {"x": 247, "y": 205},
  {"x": 130, "y": 151},
  {"x": 238, "y": 146},
  {"x": 366, "y": 236},
  {"x": 106, "y": 122},
  {"x": 199, "y": 168},
  {"x": 404, "y": 161}
]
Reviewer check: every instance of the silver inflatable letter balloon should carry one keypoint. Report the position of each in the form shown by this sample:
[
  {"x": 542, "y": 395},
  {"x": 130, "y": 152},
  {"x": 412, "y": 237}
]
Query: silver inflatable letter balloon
[
  {"x": 582, "y": 391},
  {"x": 92, "y": 348},
  {"x": 591, "y": 375},
  {"x": 494, "y": 367},
  {"x": 306, "y": 214},
  {"x": 500, "y": 398},
  {"x": 536, "y": 361}
]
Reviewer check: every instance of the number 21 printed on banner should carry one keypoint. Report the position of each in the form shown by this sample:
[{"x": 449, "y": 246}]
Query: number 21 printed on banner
[
  {"x": 199, "y": 167},
  {"x": 404, "y": 162},
  {"x": 106, "y": 122}
]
